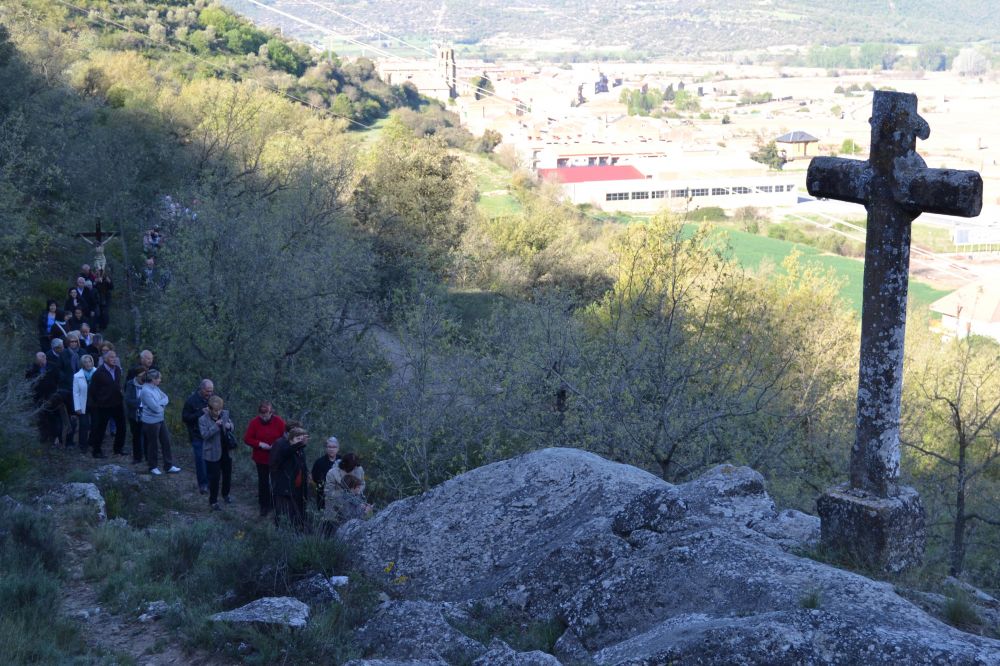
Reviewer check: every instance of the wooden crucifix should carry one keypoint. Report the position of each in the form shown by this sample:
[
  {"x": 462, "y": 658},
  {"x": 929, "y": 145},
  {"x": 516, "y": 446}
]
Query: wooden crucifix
[
  {"x": 100, "y": 238},
  {"x": 895, "y": 186}
]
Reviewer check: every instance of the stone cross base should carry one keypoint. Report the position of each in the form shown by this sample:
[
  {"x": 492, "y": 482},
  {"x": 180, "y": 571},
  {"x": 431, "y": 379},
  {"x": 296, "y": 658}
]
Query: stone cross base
[{"x": 880, "y": 533}]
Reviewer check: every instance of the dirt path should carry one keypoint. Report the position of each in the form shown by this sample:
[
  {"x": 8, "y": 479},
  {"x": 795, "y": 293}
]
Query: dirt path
[{"x": 125, "y": 637}]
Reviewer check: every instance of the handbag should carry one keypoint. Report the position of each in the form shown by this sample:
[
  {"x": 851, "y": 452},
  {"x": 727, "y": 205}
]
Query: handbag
[{"x": 230, "y": 439}]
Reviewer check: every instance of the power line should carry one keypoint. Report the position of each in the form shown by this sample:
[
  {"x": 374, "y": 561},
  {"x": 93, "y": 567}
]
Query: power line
[
  {"x": 214, "y": 65},
  {"x": 331, "y": 10},
  {"x": 322, "y": 28},
  {"x": 485, "y": 92}
]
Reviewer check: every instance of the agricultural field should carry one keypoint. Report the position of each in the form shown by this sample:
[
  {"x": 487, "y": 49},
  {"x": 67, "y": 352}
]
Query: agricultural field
[{"x": 752, "y": 250}]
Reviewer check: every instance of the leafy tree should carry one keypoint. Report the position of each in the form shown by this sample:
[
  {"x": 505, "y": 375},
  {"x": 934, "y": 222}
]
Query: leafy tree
[
  {"x": 831, "y": 57},
  {"x": 201, "y": 40},
  {"x": 490, "y": 140},
  {"x": 770, "y": 155},
  {"x": 684, "y": 100},
  {"x": 548, "y": 243},
  {"x": 932, "y": 57},
  {"x": 219, "y": 18},
  {"x": 413, "y": 200},
  {"x": 481, "y": 86},
  {"x": 873, "y": 55},
  {"x": 641, "y": 102},
  {"x": 244, "y": 39},
  {"x": 850, "y": 147},
  {"x": 284, "y": 57}
]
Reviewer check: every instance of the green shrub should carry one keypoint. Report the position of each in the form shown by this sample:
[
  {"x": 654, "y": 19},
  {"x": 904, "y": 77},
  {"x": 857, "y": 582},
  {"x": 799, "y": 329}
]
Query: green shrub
[
  {"x": 707, "y": 214},
  {"x": 516, "y": 629},
  {"x": 32, "y": 631},
  {"x": 30, "y": 538},
  {"x": 113, "y": 503},
  {"x": 811, "y": 600},
  {"x": 960, "y": 612}
]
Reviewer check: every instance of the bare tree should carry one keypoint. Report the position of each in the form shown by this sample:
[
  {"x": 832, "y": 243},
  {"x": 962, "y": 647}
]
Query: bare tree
[{"x": 953, "y": 423}]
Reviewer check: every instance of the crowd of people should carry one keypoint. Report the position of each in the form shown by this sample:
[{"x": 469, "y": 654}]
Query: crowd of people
[{"x": 82, "y": 395}]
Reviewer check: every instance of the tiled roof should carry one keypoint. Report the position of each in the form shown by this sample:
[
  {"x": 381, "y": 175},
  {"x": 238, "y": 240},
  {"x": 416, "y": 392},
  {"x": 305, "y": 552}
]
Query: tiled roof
[
  {"x": 589, "y": 174},
  {"x": 978, "y": 302}
]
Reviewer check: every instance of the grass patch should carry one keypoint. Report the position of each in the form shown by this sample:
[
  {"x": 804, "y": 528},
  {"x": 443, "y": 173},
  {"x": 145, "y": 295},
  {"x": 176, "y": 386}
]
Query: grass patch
[
  {"x": 811, "y": 600},
  {"x": 210, "y": 566},
  {"x": 32, "y": 630},
  {"x": 960, "y": 612},
  {"x": 518, "y": 631},
  {"x": 498, "y": 205},
  {"x": 487, "y": 174}
]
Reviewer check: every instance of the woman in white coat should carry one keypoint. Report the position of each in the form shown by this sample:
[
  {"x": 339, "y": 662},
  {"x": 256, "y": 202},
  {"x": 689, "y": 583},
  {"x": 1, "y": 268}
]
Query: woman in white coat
[{"x": 81, "y": 382}]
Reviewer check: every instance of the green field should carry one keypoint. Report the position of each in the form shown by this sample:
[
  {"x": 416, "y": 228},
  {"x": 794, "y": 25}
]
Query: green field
[
  {"x": 493, "y": 184},
  {"x": 750, "y": 250}
]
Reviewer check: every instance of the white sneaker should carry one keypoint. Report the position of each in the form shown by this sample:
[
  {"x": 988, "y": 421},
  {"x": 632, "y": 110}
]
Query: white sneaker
[
  {"x": 173, "y": 469},
  {"x": 155, "y": 471}
]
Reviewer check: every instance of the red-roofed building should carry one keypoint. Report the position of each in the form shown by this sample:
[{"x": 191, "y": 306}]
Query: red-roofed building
[{"x": 590, "y": 174}]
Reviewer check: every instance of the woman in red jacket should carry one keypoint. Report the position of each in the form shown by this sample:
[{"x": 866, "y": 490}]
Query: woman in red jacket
[{"x": 263, "y": 431}]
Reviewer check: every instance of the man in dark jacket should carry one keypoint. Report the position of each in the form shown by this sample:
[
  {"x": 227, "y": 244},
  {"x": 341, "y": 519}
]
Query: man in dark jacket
[
  {"x": 105, "y": 396},
  {"x": 290, "y": 478},
  {"x": 44, "y": 392},
  {"x": 194, "y": 407},
  {"x": 69, "y": 363},
  {"x": 131, "y": 392}
]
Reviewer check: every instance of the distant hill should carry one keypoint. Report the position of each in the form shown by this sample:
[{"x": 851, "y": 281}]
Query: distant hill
[{"x": 652, "y": 27}]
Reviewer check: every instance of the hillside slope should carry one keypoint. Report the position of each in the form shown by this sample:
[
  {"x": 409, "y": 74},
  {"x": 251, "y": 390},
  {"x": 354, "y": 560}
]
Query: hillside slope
[{"x": 656, "y": 27}]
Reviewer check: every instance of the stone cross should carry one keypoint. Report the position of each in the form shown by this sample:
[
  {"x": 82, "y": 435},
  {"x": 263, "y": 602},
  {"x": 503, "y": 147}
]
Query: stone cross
[{"x": 895, "y": 186}]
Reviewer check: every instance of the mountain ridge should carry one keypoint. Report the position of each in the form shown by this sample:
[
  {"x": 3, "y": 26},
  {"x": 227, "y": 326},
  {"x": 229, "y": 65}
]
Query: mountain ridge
[{"x": 656, "y": 28}]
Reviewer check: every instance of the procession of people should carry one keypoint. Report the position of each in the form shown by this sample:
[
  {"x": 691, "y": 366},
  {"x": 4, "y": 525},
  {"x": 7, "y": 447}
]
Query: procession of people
[{"x": 83, "y": 397}]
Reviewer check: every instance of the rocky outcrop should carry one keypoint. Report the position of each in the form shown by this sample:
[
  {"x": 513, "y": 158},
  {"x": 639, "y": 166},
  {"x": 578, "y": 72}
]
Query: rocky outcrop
[
  {"x": 86, "y": 496},
  {"x": 501, "y": 654},
  {"x": 284, "y": 611},
  {"x": 639, "y": 570},
  {"x": 316, "y": 590},
  {"x": 418, "y": 630},
  {"x": 116, "y": 475}
]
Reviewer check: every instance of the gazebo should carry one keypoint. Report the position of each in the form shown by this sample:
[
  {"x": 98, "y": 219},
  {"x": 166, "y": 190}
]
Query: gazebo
[{"x": 802, "y": 139}]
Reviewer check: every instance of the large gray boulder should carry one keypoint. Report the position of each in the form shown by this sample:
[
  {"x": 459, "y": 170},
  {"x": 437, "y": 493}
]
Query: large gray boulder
[
  {"x": 645, "y": 572},
  {"x": 84, "y": 497},
  {"x": 418, "y": 630},
  {"x": 501, "y": 654},
  {"x": 285, "y": 611}
]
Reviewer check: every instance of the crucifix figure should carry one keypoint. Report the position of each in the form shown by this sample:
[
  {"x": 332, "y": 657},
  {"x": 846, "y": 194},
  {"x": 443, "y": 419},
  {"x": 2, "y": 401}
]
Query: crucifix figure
[
  {"x": 895, "y": 186},
  {"x": 100, "y": 238}
]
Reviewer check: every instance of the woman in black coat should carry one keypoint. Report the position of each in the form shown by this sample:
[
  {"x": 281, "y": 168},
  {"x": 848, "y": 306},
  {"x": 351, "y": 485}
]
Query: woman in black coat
[
  {"x": 74, "y": 301},
  {"x": 46, "y": 321},
  {"x": 290, "y": 478}
]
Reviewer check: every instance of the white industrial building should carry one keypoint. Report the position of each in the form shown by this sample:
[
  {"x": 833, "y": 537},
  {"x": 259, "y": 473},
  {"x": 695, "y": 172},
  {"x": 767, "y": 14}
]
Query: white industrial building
[{"x": 624, "y": 188}]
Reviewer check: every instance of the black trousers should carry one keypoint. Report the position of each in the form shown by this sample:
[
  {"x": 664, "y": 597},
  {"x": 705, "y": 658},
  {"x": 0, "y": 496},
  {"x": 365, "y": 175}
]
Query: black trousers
[
  {"x": 100, "y": 424},
  {"x": 216, "y": 468},
  {"x": 264, "y": 488},
  {"x": 290, "y": 509},
  {"x": 83, "y": 430},
  {"x": 137, "y": 440}
]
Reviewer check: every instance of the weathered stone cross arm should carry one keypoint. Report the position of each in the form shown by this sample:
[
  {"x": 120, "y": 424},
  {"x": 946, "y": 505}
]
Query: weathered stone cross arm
[
  {"x": 895, "y": 173},
  {"x": 918, "y": 189}
]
